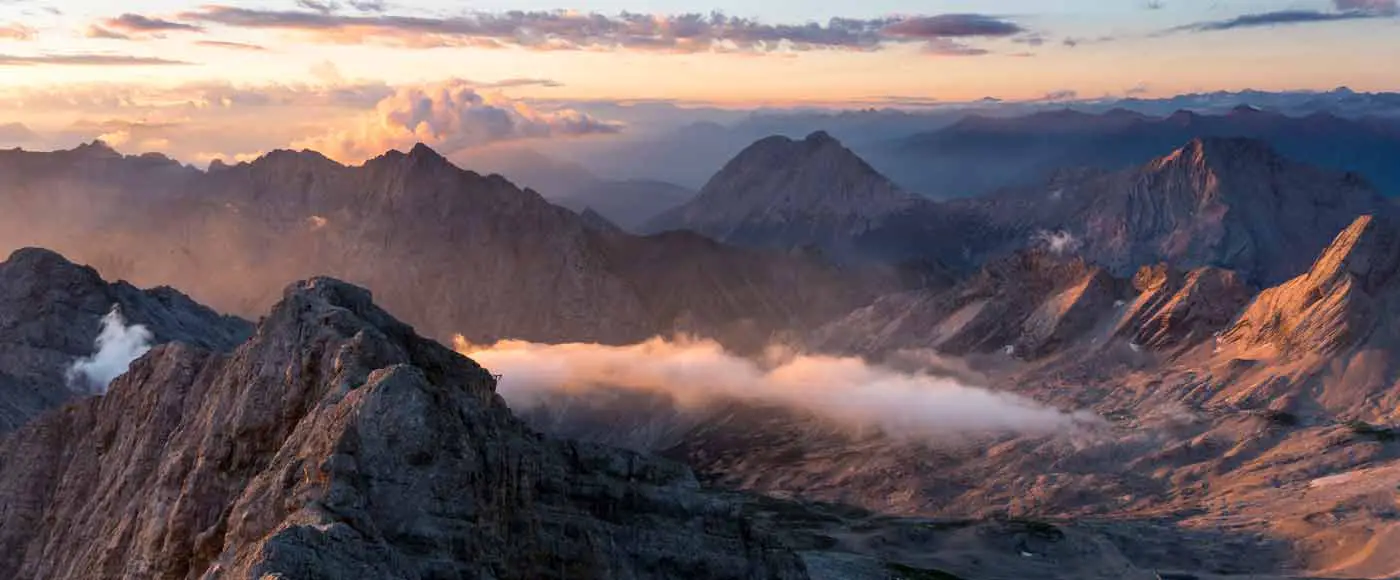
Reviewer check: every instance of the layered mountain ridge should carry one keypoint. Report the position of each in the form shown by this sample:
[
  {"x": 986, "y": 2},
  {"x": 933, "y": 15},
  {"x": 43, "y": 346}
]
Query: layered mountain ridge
[
  {"x": 981, "y": 154},
  {"x": 446, "y": 248},
  {"x": 50, "y": 312}
]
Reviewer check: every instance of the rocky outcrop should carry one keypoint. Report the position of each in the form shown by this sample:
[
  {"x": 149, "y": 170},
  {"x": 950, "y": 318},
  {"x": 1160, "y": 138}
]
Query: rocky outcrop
[
  {"x": 50, "y": 314},
  {"x": 1346, "y": 297},
  {"x": 1175, "y": 309},
  {"x": 1030, "y": 304},
  {"x": 786, "y": 193},
  {"x": 1228, "y": 203},
  {"x": 338, "y": 443}
]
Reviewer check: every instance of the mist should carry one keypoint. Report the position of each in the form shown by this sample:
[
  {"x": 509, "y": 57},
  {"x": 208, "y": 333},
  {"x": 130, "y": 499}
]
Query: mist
[
  {"x": 117, "y": 345},
  {"x": 847, "y": 392}
]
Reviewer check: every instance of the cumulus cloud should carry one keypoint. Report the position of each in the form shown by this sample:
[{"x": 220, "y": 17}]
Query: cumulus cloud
[
  {"x": 847, "y": 392},
  {"x": 452, "y": 116},
  {"x": 570, "y": 30},
  {"x": 117, "y": 346}
]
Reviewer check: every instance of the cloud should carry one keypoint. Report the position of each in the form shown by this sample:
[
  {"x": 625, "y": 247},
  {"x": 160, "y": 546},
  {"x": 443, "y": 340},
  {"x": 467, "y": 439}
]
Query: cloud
[
  {"x": 949, "y": 47},
  {"x": 369, "y": 5},
  {"x": 86, "y": 60},
  {"x": 953, "y": 26},
  {"x": 318, "y": 6},
  {"x": 846, "y": 392},
  {"x": 138, "y": 23},
  {"x": 1345, "y": 10},
  {"x": 17, "y": 31},
  {"x": 1381, "y": 7},
  {"x": 132, "y": 136},
  {"x": 1059, "y": 242},
  {"x": 452, "y": 116},
  {"x": 1061, "y": 95},
  {"x": 16, "y": 133},
  {"x": 524, "y": 82},
  {"x": 230, "y": 45},
  {"x": 96, "y": 31},
  {"x": 568, "y": 30},
  {"x": 117, "y": 346}
]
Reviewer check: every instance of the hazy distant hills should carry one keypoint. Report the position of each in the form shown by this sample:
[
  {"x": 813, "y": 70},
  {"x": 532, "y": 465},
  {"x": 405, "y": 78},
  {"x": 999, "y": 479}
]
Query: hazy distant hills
[
  {"x": 629, "y": 204},
  {"x": 448, "y": 249},
  {"x": 1227, "y": 202},
  {"x": 626, "y": 203},
  {"x": 981, "y": 154}
]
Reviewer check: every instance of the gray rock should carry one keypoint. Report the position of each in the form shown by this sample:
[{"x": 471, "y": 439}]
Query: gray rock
[
  {"x": 50, "y": 314},
  {"x": 337, "y": 443}
]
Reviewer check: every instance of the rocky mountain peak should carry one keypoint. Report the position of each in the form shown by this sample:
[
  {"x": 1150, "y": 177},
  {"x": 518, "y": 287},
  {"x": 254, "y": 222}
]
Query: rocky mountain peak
[
  {"x": 781, "y": 192},
  {"x": 1368, "y": 251},
  {"x": 1338, "y": 303},
  {"x": 338, "y": 441},
  {"x": 1216, "y": 154},
  {"x": 422, "y": 153},
  {"x": 822, "y": 139},
  {"x": 51, "y": 312},
  {"x": 1175, "y": 309},
  {"x": 97, "y": 149}
]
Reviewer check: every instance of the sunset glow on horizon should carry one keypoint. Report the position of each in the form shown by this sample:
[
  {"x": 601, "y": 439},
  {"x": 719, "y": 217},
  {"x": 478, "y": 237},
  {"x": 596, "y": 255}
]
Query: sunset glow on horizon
[{"x": 312, "y": 64}]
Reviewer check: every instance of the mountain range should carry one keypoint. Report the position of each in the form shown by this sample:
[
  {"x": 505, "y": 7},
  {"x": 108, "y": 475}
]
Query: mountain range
[
  {"x": 443, "y": 247},
  {"x": 1182, "y": 367},
  {"x": 1232, "y": 203},
  {"x": 980, "y": 154}
]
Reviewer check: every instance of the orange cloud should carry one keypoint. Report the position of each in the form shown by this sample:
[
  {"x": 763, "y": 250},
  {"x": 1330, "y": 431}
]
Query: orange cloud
[
  {"x": 451, "y": 116},
  {"x": 17, "y": 31}
]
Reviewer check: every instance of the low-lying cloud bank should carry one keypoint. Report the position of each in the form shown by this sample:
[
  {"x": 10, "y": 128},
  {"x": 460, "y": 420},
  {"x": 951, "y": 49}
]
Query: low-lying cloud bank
[
  {"x": 846, "y": 391},
  {"x": 117, "y": 345}
]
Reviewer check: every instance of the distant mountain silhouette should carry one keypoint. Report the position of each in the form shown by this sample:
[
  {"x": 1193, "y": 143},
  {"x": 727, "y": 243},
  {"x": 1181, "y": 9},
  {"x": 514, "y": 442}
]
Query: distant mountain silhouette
[
  {"x": 981, "y": 154},
  {"x": 1232, "y": 203},
  {"x": 785, "y": 193}
]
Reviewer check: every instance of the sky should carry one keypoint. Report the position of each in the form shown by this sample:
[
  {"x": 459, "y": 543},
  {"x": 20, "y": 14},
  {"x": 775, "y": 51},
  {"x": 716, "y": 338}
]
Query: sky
[{"x": 239, "y": 77}]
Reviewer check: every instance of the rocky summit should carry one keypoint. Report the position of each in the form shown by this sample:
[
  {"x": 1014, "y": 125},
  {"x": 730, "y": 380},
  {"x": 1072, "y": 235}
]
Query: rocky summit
[
  {"x": 787, "y": 193},
  {"x": 337, "y": 443}
]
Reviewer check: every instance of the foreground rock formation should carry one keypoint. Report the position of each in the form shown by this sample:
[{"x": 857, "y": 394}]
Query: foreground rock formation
[{"x": 337, "y": 443}]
